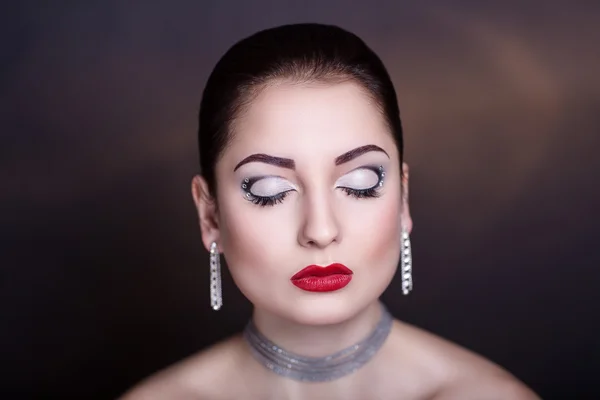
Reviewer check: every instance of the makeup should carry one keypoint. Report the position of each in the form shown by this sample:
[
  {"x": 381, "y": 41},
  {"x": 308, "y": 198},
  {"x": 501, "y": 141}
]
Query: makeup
[
  {"x": 322, "y": 279},
  {"x": 273, "y": 189},
  {"x": 372, "y": 191}
]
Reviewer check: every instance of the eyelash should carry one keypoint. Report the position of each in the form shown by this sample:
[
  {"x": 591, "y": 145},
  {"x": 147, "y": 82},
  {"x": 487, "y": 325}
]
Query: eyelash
[
  {"x": 278, "y": 198},
  {"x": 267, "y": 201},
  {"x": 363, "y": 193}
]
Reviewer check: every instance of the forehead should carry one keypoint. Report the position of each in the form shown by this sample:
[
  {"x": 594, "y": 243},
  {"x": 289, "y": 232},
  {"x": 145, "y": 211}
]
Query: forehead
[{"x": 307, "y": 121}]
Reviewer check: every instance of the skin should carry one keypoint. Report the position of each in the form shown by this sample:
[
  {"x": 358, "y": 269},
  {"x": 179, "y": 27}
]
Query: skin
[{"x": 318, "y": 223}]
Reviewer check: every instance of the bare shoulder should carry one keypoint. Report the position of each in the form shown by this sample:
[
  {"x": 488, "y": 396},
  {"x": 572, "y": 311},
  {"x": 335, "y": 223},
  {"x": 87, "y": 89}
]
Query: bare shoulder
[
  {"x": 489, "y": 388},
  {"x": 454, "y": 372},
  {"x": 198, "y": 376}
]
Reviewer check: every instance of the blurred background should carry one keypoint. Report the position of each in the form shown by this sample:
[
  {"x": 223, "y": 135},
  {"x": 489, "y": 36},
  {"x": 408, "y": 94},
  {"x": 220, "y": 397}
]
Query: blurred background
[{"x": 103, "y": 277}]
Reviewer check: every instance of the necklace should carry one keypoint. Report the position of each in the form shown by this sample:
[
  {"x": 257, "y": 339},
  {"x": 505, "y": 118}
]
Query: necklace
[{"x": 318, "y": 369}]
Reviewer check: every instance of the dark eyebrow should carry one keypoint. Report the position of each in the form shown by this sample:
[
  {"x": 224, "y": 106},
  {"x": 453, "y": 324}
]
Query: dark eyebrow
[
  {"x": 359, "y": 151},
  {"x": 267, "y": 159}
]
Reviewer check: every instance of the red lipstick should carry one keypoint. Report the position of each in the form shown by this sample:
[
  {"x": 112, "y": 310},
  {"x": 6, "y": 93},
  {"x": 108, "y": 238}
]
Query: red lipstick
[{"x": 322, "y": 279}]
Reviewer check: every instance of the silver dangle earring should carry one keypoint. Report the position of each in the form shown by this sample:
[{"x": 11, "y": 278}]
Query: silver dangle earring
[
  {"x": 406, "y": 264},
  {"x": 216, "y": 297}
]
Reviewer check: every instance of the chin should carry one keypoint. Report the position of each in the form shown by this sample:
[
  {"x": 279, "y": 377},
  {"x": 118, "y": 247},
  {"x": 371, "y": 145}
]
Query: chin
[{"x": 324, "y": 308}]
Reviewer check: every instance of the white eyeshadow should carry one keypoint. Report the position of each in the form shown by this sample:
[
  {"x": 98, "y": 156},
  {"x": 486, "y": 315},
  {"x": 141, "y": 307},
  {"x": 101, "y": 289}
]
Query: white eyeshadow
[
  {"x": 270, "y": 186},
  {"x": 359, "y": 179}
]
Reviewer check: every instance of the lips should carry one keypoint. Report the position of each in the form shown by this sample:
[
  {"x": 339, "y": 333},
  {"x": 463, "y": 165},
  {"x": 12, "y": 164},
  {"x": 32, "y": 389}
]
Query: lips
[{"x": 322, "y": 279}]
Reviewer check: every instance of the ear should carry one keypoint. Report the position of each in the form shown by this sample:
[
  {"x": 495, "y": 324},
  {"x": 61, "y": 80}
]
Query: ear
[
  {"x": 405, "y": 217},
  {"x": 206, "y": 207}
]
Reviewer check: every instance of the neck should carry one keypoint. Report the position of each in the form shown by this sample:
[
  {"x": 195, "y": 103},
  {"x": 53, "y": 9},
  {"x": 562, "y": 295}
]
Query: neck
[{"x": 317, "y": 340}]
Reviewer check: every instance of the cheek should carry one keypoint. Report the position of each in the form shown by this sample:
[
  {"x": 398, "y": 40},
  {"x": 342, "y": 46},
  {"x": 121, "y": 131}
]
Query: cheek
[
  {"x": 254, "y": 238},
  {"x": 377, "y": 234}
]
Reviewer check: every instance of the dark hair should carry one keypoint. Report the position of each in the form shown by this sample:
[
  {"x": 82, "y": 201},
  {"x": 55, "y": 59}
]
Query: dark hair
[{"x": 300, "y": 53}]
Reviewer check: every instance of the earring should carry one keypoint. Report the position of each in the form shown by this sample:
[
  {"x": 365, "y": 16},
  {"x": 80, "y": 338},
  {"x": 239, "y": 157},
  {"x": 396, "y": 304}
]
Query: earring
[
  {"x": 406, "y": 264},
  {"x": 216, "y": 298}
]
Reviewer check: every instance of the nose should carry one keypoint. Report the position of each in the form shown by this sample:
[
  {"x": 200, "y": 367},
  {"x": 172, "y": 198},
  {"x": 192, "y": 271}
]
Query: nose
[{"x": 320, "y": 227}]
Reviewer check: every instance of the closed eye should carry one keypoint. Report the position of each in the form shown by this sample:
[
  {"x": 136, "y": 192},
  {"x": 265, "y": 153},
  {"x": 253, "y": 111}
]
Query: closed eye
[
  {"x": 362, "y": 182},
  {"x": 266, "y": 190}
]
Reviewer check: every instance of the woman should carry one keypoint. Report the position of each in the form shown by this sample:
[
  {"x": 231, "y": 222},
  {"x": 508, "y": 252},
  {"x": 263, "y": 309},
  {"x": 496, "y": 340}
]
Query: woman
[{"x": 304, "y": 192}]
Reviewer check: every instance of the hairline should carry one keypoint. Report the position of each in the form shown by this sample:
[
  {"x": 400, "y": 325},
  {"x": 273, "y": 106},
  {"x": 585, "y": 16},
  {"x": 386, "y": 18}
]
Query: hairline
[{"x": 255, "y": 90}]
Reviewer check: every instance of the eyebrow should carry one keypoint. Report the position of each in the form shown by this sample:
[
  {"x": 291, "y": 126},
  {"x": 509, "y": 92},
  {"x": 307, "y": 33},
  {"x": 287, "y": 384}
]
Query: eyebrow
[
  {"x": 290, "y": 164},
  {"x": 357, "y": 152},
  {"x": 267, "y": 159}
]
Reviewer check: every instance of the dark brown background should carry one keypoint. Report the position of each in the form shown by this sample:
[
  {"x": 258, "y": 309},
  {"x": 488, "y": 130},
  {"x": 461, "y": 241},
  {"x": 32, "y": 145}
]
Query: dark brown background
[{"x": 104, "y": 279}]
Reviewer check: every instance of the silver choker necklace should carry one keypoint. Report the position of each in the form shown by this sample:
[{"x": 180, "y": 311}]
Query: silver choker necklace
[{"x": 318, "y": 369}]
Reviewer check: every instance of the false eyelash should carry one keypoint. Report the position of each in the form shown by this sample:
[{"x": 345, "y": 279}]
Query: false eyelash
[
  {"x": 267, "y": 201},
  {"x": 362, "y": 193}
]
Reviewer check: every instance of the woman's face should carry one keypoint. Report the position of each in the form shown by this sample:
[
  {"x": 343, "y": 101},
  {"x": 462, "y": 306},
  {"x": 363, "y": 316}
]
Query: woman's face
[{"x": 302, "y": 184}]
